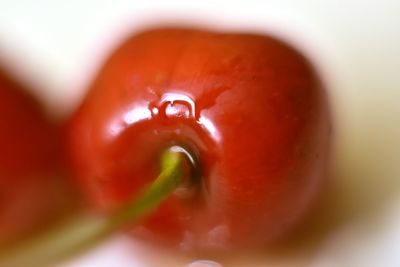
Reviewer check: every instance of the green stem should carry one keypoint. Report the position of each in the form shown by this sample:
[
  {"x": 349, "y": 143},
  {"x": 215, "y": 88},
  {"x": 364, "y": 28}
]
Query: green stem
[{"x": 86, "y": 230}]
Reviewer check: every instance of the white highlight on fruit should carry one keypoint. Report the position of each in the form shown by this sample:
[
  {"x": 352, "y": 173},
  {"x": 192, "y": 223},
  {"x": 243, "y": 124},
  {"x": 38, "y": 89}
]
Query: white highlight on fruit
[
  {"x": 218, "y": 237},
  {"x": 179, "y": 149},
  {"x": 181, "y": 98},
  {"x": 133, "y": 115},
  {"x": 114, "y": 129},
  {"x": 210, "y": 127},
  {"x": 204, "y": 263},
  {"x": 136, "y": 114},
  {"x": 174, "y": 97},
  {"x": 154, "y": 110},
  {"x": 187, "y": 242}
]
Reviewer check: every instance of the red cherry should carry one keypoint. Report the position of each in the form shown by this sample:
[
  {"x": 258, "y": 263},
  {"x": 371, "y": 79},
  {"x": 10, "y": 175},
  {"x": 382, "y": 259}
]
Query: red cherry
[
  {"x": 249, "y": 109},
  {"x": 30, "y": 160}
]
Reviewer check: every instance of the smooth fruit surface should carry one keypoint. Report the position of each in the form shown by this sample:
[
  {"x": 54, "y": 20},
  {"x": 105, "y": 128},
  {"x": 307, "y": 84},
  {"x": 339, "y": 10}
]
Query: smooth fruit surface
[
  {"x": 250, "y": 110},
  {"x": 30, "y": 159}
]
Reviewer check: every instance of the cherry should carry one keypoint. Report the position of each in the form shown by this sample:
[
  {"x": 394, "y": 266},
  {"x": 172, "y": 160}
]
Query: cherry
[
  {"x": 248, "y": 111},
  {"x": 32, "y": 192}
]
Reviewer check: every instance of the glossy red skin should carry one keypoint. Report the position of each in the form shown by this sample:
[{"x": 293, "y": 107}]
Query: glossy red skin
[
  {"x": 30, "y": 162},
  {"x": 249, "y": 107}
]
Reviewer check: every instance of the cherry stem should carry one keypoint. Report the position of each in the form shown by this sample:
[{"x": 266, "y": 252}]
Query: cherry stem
[
  {"x": 167, "y": 181},
  {"x": 86, "y": 230}
]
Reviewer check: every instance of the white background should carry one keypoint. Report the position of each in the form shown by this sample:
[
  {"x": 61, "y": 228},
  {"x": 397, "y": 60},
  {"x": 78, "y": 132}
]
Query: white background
[{"x": 57, "y": 45}]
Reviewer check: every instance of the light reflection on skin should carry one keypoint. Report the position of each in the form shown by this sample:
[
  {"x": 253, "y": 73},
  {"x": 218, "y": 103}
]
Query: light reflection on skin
[
  {"x": 210, "y": 127},
  {"x": 114, "y": 129},
  {"x": 204, "y": 263},
  {"x": 143, "y": 111},
  {"x": 179, "y": 97},
  {"x": 194, "y": 113},
  {"x": 135, "y": 114}
]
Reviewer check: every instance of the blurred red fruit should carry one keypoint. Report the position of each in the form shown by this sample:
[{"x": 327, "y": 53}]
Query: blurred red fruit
[{"x": 250, "y": 110}]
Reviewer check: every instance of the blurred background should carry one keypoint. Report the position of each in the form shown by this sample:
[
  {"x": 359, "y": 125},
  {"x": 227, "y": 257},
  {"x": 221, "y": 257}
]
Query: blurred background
[{"x": 57, "y": 46}]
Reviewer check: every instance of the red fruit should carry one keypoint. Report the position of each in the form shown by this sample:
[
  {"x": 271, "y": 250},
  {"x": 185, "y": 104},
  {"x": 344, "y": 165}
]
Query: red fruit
[
  {"x": 249, "y": 109},
  {"x": 30, "y": 161}
]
